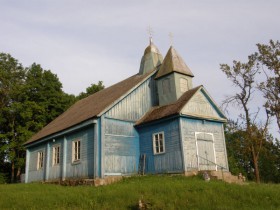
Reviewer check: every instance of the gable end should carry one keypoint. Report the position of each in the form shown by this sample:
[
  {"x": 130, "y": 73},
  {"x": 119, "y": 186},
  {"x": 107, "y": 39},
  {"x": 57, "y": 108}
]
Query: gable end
[{"x": 202, "y": 105}]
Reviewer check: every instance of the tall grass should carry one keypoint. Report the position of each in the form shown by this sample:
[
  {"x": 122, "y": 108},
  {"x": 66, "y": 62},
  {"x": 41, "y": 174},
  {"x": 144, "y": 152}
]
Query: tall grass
[{"x": 161, "y": 192}]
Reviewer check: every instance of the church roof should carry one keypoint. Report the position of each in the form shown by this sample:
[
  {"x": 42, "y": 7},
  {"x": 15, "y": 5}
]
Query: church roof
[
  {"x": 160, "y": 112},
  {"x": 173, "y": 63},
  {"x": 90, "y": 107}
]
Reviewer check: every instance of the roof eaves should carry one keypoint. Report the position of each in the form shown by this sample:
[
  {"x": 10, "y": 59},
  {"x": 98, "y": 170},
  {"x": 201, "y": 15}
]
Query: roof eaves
[
  {"x": 62, "y": 132},
  {"x": 210, "y": 118},
  {"x": 176, "y": 71},
  {"x": 168, "y": 117}
]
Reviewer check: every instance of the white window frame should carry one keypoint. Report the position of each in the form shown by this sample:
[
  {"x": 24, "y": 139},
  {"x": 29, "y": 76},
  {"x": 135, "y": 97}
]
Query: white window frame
[
  {"x": 76, "y": 150},
  {"x": 40, "y": 160},
  {"x": 158, "y": 143},
  {"x": 56, "y": 155},
  {"x": 183, "y": 85}
]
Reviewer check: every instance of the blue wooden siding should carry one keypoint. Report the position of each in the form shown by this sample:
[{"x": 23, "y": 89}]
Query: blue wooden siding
[
  {"x": 189, "y": 127},
  {"x": 33, "y": 173},
  {"x": 171, "y": 160},
  {"x": 65, "y": 168},
  {"x": 120, "y": 140},
  {"x": 121, "y": 147},
  {"x": 55, "y": 171},
  {"x": 135, "y": 104},
  {"x": 85, "y": 167}
]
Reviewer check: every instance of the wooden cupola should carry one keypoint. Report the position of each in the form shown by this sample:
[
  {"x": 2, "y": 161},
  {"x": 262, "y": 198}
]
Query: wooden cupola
[{"x": 151, "y": 59}]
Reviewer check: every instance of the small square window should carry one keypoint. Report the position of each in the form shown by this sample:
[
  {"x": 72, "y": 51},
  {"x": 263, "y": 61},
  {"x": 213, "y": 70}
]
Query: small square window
[
  {"x": 158, "y": 143},
  {"x": 56, "y": 155},
  {"x": 40, "y": 160},
  {"x": 76, "y": 150}
]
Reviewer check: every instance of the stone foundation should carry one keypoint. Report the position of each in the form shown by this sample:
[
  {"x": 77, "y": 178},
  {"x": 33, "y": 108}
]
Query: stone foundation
[
  {"x": 92, "y": 182},
  {"x": 225, "y": 176}
]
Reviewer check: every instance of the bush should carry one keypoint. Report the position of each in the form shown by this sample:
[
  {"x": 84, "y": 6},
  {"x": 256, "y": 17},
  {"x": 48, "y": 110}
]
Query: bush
[{"x": 3, "y": 178}]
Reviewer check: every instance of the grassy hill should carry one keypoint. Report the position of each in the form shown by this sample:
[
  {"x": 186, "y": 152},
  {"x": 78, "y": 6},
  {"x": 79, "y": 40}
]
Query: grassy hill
[{"x": 161, "y": 192}]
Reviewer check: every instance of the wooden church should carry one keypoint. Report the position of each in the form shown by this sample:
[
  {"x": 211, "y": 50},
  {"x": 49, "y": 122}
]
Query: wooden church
[{"x": 152, "y": 122}]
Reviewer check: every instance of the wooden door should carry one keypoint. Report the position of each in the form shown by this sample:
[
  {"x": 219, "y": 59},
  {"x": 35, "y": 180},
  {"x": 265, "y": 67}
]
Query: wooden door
[{"x": 205, "y": 151}]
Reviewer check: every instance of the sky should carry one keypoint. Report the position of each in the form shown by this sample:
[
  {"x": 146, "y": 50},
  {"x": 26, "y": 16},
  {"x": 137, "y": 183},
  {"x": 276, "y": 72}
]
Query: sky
[{"x": 86, "y": 41}]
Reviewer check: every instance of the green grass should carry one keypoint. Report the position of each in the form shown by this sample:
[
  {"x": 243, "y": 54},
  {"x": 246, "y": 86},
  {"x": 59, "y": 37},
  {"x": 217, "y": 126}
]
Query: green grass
[{"x": 162, "y": 192}]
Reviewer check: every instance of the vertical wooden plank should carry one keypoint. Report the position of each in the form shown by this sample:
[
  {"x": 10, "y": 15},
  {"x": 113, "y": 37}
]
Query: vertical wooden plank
[
  {"x": 181, "y": 139},
  {"x": 121, "y": 148},
  {"x": 47, "y": 168},
  {"x": 171, "y": 160},
  {"x": 27, "y": 165},
  {"x": 102, "y": 144},
  {"x": 64, "y": 158},
  {"x": 225, "y": 149},
  {"x": 134, "y": 105},
  {"x": 96, "y": 146}
]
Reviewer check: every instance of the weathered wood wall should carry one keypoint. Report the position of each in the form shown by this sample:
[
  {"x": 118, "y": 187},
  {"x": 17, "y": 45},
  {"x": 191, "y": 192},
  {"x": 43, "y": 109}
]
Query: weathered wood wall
[
  {"x": 66, "y": 168},
  {"x": 173, "y": 89},
  {"x": 121, "y": 147},
  {"x": 34, "y": 174},
  {"x": 135, "y": 104},
  {"x": 55, "y": 171},
  {"x": 84, "y": 167},
  {"x": 189, "y": 128},
  {"x": 171, "y": 160},
  {"x": 120, "y": 139},
  {"x": 199, "y": 105}
]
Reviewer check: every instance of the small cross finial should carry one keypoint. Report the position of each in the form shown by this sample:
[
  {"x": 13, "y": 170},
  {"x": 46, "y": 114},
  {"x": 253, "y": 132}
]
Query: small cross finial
[
  {"x": 171, "y": 38},
  {"x": 150, "y": 32}
]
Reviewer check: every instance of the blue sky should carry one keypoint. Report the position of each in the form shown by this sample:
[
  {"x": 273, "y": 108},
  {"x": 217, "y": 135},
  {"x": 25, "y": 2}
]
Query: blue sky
[{"x": 86, "y": 41}]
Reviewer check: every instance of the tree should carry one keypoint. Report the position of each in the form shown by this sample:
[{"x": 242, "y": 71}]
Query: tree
[
  {"x": 243, "y": 76},
  {"x": 30, "y": 98},
  {"x": 269, "y": 57},
  {"x": 44, "y": 88},
  {"x": 240, "y": 160},
  {"x": 238, "y": 157},
  {"x": 12, "y": 76},
  {"x": 91, "y": 90},
  {"x": 270, "y": 161}
]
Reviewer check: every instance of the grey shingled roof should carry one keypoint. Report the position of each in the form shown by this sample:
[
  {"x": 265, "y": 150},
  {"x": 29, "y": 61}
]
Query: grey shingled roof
[
  {"x": 160, "y": 112},
  {"x": 89, "y": 107},
  {"x": 173, "y": 63}
]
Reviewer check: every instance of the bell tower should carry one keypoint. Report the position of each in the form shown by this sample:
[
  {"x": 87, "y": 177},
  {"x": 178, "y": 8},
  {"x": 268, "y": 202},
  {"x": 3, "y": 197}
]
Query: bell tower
[{"x": 173, "y": 78}]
